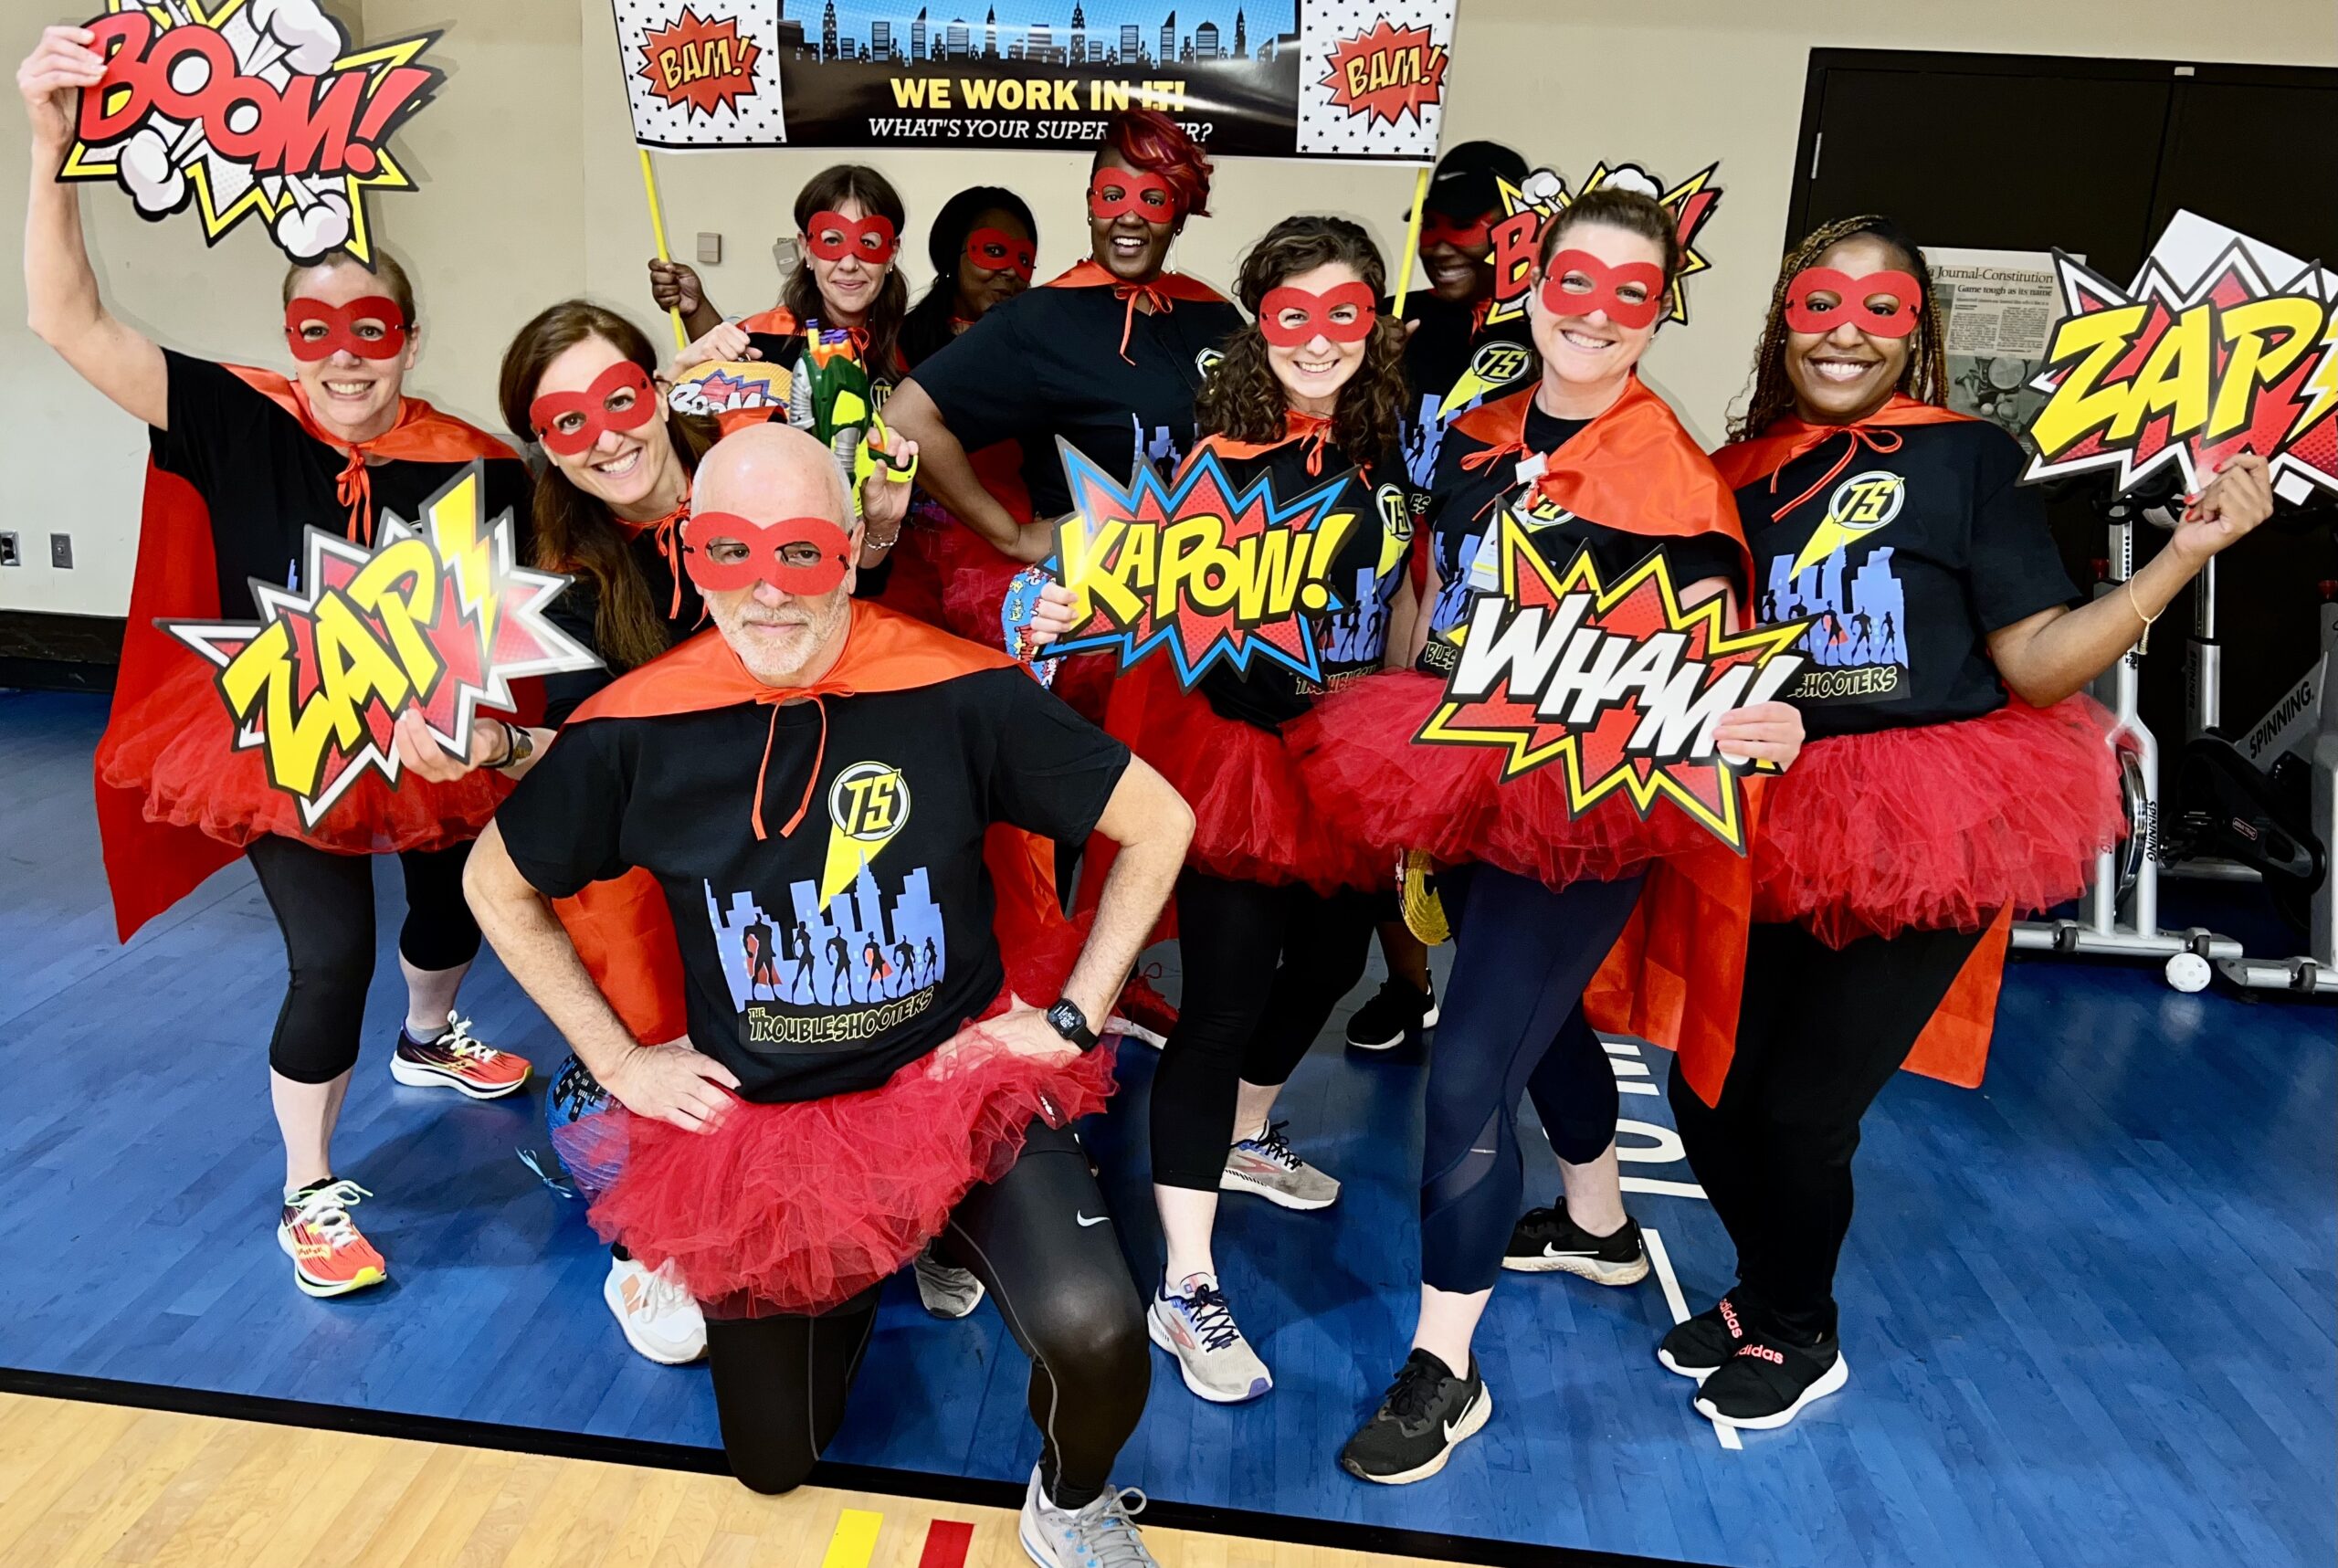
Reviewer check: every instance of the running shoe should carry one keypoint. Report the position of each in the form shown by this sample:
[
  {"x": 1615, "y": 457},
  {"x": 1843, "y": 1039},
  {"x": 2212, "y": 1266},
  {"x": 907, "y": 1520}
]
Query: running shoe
[
  {"x": 660, "y": 1319},
  {"x": 1769, "y": 1380},
  {"x": 1426, "y": 1414},
  {"x": 1394, "y": 1011},
  {"x": 457, "y": 1060},
  {"x": 1697, "y": 1347},
  {"x": 1547, "y": 1241},
  {"x": 1267, "y": 1166},
  {"x": 1196, "y": 1326},
  {"x": 1102, "y": 1535},
  {"x": 329, "y": 1256},
  {"x": 947, "y": 1290}
]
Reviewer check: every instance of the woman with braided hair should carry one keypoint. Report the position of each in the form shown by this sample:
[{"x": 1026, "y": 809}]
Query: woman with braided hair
[{"x": 1953, "y": 778}]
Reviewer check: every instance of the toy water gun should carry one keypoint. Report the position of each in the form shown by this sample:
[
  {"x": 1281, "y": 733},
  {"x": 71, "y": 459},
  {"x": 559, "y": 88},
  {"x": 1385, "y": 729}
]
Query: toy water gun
[{"x": 830, "y": 396}]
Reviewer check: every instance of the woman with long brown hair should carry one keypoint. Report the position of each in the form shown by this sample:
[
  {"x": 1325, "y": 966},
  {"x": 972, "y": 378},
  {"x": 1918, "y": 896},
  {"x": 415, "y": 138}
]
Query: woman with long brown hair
[
  {"x": 1272, "y": 924},
  {"x": 1954, "y": 777}
]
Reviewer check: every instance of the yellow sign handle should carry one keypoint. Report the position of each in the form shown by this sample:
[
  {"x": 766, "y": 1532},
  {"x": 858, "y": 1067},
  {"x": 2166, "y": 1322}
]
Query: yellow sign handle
[
  {"x": 1403, "y": 266},
  {"x": 657, "y": 228}
]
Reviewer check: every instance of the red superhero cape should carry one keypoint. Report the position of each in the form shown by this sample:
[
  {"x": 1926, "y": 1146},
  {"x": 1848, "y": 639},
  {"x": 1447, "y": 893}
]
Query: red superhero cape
[
  {"x": 1162, "y": 292},
  {"x": 1954, "y": 1046},
  {"x": 1675, "y": 975},
  {"x": 150, "y": 865},
  {"x": 623, "y": 930}
]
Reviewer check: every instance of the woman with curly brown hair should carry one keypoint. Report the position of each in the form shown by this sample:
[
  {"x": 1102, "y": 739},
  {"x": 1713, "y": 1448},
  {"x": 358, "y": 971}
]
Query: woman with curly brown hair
[{"x": 1271, "y": 929}]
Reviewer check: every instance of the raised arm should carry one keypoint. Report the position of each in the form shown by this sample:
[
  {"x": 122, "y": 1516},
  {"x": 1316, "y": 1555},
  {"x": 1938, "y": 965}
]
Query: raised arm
[
  {"x": 60, "y": 289},
  {"x": 947, "y": 475}
]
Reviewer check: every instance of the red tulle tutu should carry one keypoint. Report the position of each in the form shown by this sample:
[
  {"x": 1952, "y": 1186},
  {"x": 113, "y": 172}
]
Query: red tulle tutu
[
  {"x": 798, "y": 1208},
  {"x": 176, "y": 747},
  {"x": 1253, "y": 820},
  {"x": 1359, "y": 766},
  {"x": 1939, "y": 826}
]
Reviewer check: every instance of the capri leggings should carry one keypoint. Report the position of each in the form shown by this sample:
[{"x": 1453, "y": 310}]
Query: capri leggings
[
  {"x": 324, "y": 907},
  {"x": 1512, "y": 1018},
  {"x": 1263, "y": 969},
  {"x": 1033, "y": 1237}
]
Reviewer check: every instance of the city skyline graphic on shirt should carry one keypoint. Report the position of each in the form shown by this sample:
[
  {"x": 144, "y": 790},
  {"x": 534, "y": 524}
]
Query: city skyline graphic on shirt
[
  {"x": 1862, "y": 617},
  {"x": 861, "y": 948},
  {"x": 1052, "y": 32},
  {"x": 1358, "y": 631}
]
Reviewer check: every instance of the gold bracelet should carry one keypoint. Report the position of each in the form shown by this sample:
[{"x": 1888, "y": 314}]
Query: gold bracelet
[{"x": 2143, "y": 643}]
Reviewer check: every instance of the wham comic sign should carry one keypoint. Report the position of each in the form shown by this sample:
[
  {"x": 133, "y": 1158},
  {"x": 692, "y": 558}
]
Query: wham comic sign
[
  {"x": 1339, "y": 78},
  {"x": 2221, "y": 345},
  {"x": 436, "y": 616},
  {"x": 249, "y": 108},
  {"x": 1615, "y": 681},
  {"x": 1211, "y": 571}
]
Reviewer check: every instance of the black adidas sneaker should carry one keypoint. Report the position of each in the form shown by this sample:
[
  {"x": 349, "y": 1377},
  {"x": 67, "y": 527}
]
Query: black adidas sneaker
[
  {"x": 1698, "y": 1347},
  {"x": 1768, "y": 1381}
]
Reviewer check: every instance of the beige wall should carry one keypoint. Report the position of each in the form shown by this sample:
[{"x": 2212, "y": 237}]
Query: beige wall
[{"x": 530, "y": 192}]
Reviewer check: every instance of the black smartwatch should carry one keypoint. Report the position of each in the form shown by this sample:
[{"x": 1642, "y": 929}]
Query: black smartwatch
[{"x": 1065, "y": 1019}]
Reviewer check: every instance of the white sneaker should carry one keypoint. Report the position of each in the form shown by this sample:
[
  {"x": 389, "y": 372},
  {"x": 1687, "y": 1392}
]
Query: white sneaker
[
  {"x": 1268, "y": 1166},
  {"x": 1102, "y": 1535},
  {"x": 660, "y": 1319},
  {"x": 946, "y": 1290},
  {"x": 1195, "y": 1325}
]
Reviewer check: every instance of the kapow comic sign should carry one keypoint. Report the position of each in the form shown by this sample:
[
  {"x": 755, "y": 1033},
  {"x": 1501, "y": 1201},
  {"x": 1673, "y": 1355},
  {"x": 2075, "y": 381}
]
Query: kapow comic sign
[
  {"x": 724, "y": 386},
  {"x": 249, "y": 108},
  {"x": 2221, "y": 345},
  {"x": 436, "y": 616},
  {"x": 1612, "y": 680},
  {"x": 1542, "y": 195},
  {"x": 1215, "y": 573}
]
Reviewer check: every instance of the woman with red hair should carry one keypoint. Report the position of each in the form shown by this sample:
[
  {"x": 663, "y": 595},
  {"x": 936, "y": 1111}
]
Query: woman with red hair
[{"x": 1108, "y": 356}]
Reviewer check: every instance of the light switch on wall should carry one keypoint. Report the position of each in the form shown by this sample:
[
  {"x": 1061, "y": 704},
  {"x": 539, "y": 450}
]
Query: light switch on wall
[
  {"x": 60, "y": 552},
  {"x": 709, "y": 249}
]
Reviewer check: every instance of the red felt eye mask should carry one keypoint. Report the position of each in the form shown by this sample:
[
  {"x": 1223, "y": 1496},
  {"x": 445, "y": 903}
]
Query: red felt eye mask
[
  {"x": 1314, "y": 313},
  {"x": 1438, "y": 229},
  {"x": 1851, "y": 295},
  {"x": 996, "y": 250},
  {"x": 1602, "y": 294},
  {"x": 1133, "y": 186},
  {"x": 620, "y": 398},
  {"x": 833, "y": 236},
  {"x": 806, "y": 556},
  {"x": 340, "y": 323}
]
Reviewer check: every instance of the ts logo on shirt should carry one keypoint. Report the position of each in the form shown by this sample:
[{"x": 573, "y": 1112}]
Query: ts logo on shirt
[
  {"x": 1860, "y": 505},
  {"x": 868, "y": 804},
  {"x": 1491, "y": 368}
]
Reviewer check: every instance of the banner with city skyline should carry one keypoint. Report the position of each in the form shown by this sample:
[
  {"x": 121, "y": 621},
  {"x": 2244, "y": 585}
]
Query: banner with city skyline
[{"x": 1273, "y": 79}]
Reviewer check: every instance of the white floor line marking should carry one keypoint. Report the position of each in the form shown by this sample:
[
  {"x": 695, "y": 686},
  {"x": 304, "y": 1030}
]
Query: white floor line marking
[
  {"x": 1662, "y": 1188},
  {"x": 1622, "y": 1087},
  {"x": 1680, "y": 1306}
]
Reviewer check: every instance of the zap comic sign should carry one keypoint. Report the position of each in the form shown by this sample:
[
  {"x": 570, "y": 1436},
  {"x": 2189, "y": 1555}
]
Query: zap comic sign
[
  {"x": 1614, "y": 681},
  {"x": 1213, "y": 573},
  {"x": 247, "y": 108},
  {"x": 1543, "y": 194},
  {"x": 2221, "y": 345},
  {"x": 437, "y": 617}
]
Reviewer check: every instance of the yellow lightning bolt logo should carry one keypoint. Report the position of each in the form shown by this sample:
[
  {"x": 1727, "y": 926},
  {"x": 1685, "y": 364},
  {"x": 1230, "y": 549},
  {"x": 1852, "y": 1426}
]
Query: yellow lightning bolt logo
[
  {"x": 1491, "y": 368},
  {"x": 1396, "y": 530},
  {"x": 456, "y": 520},
  {"x": 1860, "y": 505},
  {"x": 2323, "y": 383},
  {"x": 867, "y": 806}
]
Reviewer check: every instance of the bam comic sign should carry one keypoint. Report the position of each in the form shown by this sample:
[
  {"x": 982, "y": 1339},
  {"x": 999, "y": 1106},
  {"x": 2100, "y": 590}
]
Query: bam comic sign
[{"x": 1336, "y": 78}]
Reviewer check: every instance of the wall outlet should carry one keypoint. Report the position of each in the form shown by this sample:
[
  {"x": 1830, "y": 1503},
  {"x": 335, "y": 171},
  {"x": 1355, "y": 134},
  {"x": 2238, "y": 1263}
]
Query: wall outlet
[
  {"x": 709, "y": 249},
  {"x": 60, "y": 552},
  {"x": 10, "y": 555}
]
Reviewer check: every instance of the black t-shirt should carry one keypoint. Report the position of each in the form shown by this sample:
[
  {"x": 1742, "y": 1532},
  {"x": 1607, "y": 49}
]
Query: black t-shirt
[
  {"x": 264, "y": 478},
  {"x": 822, "y": 962},
  {"x": 1450, "y": 344},
  {"x": 1048, "y": 363},
  {"x": 1466, "y": 502},
  {"x": 1367, "y": 568},
  {"x": 577, "y": 610},
  {"x": 1910, "y": 559}
]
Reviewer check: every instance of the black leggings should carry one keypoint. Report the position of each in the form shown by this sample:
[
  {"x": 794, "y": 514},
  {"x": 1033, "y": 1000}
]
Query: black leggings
[
  {"x": 324, "y": 907},
  {"x": 1263, "y": 967},
  {"x": 1032, "y": 1237},
  {"x": 1513, "y": 1017},
  {"x": 1821, "y": 1032}
]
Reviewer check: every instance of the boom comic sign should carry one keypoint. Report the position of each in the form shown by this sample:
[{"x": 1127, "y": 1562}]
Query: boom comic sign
[
  {"x": 2221, "y": 345},
  {"x": 436, "y": 616},
  {"x": 1544, "y": 194},
  {"x": 1615, "y": 681},
  {"x": 1213, "y": 573},
  {"x": 249, "y": 107}
]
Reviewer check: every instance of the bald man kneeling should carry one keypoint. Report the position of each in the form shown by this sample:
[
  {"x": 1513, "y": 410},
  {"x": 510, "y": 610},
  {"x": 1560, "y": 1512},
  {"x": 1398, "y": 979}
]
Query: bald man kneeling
[{"x": 810, "y": 783}]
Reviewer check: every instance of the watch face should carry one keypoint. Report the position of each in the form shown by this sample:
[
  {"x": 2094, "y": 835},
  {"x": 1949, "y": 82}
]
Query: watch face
[{"x": 1067, "y": 1020}]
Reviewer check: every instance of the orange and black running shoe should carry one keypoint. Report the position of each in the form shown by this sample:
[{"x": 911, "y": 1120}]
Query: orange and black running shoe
[
  {"x": 329, "y": 1256},
  {"x": 456, "y": 1060}
]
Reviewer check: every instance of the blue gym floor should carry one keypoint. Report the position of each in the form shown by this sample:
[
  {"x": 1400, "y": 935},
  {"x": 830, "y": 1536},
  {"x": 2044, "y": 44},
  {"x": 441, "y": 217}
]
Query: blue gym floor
[{"x": 2089, "y": 1310}]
